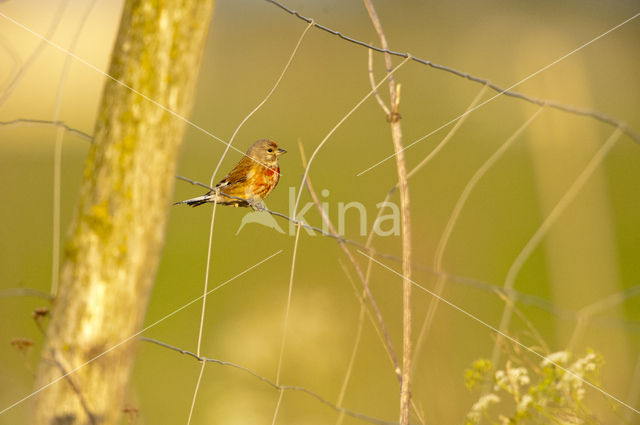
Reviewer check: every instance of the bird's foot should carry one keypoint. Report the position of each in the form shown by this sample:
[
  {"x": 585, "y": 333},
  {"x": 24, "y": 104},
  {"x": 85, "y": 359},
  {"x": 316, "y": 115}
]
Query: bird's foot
[{"x": 257, "y": 205}]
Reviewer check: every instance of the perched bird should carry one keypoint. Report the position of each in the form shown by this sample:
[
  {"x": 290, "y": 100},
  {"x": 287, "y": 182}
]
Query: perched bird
[{"x": 252, "y": 179}]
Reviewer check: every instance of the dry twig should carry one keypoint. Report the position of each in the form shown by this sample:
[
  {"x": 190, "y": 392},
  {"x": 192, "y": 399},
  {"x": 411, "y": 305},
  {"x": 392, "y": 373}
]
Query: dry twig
[{"x": 396, "y": 133}]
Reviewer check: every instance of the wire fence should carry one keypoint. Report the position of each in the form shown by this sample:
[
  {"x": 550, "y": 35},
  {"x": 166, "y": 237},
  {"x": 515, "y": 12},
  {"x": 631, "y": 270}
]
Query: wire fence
[{"x": 582, "y": 317}]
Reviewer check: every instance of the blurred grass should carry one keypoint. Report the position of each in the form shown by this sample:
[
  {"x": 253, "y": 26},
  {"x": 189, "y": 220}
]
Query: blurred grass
[{"x": 246, "y": 51}]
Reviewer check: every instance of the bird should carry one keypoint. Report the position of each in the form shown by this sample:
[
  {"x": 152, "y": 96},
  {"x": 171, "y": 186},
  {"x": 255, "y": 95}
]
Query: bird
[{"x": 249, "y": 182}]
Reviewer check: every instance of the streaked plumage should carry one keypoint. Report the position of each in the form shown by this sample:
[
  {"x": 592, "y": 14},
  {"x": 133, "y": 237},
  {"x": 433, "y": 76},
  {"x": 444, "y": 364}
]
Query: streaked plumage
[{"x": 252, "y": 179}]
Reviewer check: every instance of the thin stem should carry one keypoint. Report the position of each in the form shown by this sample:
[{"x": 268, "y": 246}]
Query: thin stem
[
  {"x": 15, "y": 60},
  {"x": 53, "y": 27},
  {"x": 544, "y": 227},
  {"x": 352, "y": 360},
  {"x": 278, "y": 403},
  {"x": 373, "y": 84},
  {"x": 534, "y": 331},
  {"x": 453, "y": 220},
  {"x": 449, "y": 135},
  {"x": 57, "y": 157},
  {"x": 411, "y": 173},
  {"x": 206, "y": 276},
  {"x": 195, "y": 392},
  {"x": 362, "y": 297},
  {"x": 285, "y": 324},
  {"x": 586, "y": 312},
  {"x": 335, "y": 127},
  {"x": 75, "y": 388},
  {"x": 215, "y": 171},
  {"x": 250, "y": 114},
  {"x": 356, "y": 266},
  {"x": 396, "y": 133}
]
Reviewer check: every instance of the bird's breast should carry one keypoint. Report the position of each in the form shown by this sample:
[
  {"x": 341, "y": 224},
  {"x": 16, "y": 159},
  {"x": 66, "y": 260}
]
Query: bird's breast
[{"x": 271, "y": 172}]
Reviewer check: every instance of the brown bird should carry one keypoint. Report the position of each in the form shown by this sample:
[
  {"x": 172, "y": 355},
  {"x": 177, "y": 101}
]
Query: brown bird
[{"x": 250, "y": 181}]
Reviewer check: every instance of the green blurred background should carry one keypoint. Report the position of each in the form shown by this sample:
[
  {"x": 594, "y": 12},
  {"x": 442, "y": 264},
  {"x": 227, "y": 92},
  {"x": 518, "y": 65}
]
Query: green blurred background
[{"x": 591, "y": 252}]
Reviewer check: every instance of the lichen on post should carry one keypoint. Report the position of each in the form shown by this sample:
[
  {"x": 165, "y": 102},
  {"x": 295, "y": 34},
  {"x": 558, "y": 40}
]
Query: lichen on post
[{"x": 118, "y": 230}]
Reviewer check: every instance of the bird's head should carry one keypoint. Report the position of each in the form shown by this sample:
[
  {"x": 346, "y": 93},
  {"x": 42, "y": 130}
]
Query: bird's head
[{"x": 266, "y": 152}]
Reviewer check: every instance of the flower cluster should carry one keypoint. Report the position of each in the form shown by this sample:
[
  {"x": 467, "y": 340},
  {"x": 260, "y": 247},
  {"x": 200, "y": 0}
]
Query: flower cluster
[{"x": 551, "y": 391}]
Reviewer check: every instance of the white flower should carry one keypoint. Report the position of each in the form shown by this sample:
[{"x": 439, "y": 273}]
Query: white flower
[
  {"x": 484, "y": 402},
  {"x": 504, "y": 420},
  {"x": 559, "y": 357},
  {"x": 502, "y": 380},
  {"x": 474, "y": 417},
  {"x": 519, "y": 375},
  {"x": 587, "y": 363},
  {"x": 524, "y": 404},
  {"x": 488, "y": 399},
  {"x": 475, "y": 414}
]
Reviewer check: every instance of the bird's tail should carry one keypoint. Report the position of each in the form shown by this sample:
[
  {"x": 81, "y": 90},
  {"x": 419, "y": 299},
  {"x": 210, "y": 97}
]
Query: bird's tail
[{"x": 194, "y": 202}]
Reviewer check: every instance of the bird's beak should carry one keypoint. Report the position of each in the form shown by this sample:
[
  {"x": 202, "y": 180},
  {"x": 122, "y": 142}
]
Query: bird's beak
[{"x": 281, "y": 151}]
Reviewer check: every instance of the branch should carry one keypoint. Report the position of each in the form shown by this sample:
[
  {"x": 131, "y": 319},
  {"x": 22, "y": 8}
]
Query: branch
[
  {"x": 405, "y": 213},
  {"x": 373, "y": 85},
  {"x": 75, "y": 388}
]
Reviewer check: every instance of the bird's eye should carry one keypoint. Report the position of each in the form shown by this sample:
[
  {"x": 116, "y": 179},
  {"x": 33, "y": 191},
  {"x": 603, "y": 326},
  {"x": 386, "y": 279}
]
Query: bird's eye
[{"x": 269, "y": 150}]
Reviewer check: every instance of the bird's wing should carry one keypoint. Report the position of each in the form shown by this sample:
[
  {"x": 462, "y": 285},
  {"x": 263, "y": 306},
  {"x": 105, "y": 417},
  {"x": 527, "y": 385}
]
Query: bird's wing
[
  {"x": 240, "y": 173},
  {"x": 223, "y": 183}
]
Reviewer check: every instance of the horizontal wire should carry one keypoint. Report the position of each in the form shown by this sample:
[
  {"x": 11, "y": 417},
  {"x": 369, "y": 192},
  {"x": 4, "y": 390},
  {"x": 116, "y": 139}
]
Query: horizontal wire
[
  {"x": 527, "y": 299},
  {"x": 541, "y": 102},
  {"x": 270, "y": 382}
]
